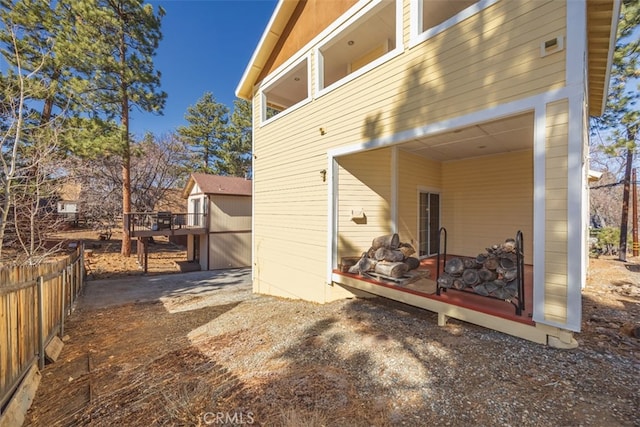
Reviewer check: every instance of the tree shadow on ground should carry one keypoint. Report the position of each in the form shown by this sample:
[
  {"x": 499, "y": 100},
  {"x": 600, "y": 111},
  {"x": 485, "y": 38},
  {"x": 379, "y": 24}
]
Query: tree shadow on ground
[{"x": 133, "y": 365}]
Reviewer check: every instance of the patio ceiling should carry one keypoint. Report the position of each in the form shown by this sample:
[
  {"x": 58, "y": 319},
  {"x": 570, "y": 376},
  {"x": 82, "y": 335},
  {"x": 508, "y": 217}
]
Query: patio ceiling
[{"x": 505, "y": 135}]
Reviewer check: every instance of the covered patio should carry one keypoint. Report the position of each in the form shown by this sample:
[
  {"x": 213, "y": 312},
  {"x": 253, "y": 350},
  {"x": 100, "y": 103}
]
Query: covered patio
[{"x": 476, "y": 180}]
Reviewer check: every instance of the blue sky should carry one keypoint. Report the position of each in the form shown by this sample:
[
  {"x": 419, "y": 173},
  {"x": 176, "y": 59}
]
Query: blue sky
[{"x": 206, "y": 47}]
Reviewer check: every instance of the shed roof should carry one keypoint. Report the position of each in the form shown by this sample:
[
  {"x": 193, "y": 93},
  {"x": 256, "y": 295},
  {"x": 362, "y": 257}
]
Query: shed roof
[
  {"x": 602, "y": 19},
  {"x": 70, "y": 191},
  {"x": 217, "y": 184}
]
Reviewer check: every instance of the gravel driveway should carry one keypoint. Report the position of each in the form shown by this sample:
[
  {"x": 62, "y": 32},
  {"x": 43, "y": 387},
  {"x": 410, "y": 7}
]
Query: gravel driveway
[
  {"x": 201, "y": 349},
  {"x": 210, "y": 286}
]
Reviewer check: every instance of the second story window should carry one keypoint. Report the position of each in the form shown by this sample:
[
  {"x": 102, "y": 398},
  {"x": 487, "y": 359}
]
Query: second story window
[
  {"x": 286, "y": 91},
  {"x": 435, "y": 12},
  {"x": 366, "y": 38},
  {"x": 196, "y": 212},
  {"x": 430, "y": 17}
]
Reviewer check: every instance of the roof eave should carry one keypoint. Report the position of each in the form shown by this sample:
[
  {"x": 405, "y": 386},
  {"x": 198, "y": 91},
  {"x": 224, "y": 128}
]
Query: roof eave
[
  {"x": 612, "y": 47},
  {"x": 279, "y": 19},
  {"x": 187, "y": 189}
]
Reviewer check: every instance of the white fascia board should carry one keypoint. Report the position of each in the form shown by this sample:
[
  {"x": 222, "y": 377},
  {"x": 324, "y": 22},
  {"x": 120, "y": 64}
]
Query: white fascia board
[
  {"x": 259, "y": 47},
  {"x": 306, "y": 49}
]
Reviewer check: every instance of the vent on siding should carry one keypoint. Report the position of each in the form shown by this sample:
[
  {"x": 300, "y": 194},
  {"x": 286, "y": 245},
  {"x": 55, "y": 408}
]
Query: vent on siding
[{"x": 550, "y": 46}]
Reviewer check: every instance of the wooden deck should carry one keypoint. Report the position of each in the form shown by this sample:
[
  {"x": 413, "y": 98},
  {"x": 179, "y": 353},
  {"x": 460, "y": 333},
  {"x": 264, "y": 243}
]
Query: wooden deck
[
  {"x": 150, "y": 224},
  {"x": 426, "y": 289}
]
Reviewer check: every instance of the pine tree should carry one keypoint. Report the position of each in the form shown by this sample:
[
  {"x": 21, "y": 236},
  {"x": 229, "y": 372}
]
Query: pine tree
[
  {"x": 235, "y": 152},
  {"x": 206, "y": 131},
  {"x": 622, "y": 116},
  {"x": 125, "y": 35}
]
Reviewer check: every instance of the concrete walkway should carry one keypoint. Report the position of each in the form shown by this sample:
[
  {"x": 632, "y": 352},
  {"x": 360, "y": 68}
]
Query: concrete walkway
[{"x": 200, "y": 287}]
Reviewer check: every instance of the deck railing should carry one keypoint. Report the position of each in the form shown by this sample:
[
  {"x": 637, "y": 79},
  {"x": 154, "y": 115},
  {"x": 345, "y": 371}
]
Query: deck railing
[
  {"x": 163, "y": 221},
  {"x": 34, "y": 302}
]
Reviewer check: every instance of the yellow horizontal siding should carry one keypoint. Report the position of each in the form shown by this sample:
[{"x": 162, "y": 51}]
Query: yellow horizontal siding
[
  {"x": 486, "y": 200},
  {"x": 556, "y": 214},
  {"x": 414, "y": 172},
  {"x": 290, "y": 280},
  {"x": 490, "y": 58},
  {"x": 449, "y": 75},
  {"x": 364, "y": 183}
]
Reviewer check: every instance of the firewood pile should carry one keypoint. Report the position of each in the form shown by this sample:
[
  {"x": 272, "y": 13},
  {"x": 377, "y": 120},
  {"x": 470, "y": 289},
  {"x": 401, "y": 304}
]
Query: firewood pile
[
  {"x": 492, "y": 273},
  {"x": 387, "y": 257}
]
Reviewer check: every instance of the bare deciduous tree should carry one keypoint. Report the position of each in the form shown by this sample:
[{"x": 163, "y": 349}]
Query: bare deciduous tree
[{"x": 157, "y": 166}]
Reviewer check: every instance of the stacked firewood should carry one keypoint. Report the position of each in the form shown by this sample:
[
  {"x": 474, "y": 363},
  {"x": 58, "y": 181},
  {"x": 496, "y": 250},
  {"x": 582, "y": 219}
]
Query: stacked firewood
[
  {"x": 387, "y": 256},
  {"x": 492, "y": 273}
]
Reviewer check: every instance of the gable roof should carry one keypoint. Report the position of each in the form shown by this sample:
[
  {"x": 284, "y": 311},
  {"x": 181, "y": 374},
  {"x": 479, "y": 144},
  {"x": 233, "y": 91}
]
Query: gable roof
[
  {"x": 275, "y": 28},
  {"x": 602, "y": 20},
  {"x": 217, "y": 184},
  {"x": 69, "y": 192}
]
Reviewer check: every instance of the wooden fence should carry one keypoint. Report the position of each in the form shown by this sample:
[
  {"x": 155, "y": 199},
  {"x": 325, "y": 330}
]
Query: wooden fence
[{"x": 34, "y": 302}]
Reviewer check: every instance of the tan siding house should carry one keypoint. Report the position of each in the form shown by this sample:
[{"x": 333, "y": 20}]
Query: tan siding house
[
  {"x": 226, "y": 205},
  {"x": 374, "y": 117}
]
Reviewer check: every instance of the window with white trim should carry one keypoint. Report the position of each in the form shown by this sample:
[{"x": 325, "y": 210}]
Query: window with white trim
[
  {"x": 364, "y": 41},
  {"x": 430, "y": 17},
  {"x": 195, "y": 212},
  {"x": 288, "y": 90}
]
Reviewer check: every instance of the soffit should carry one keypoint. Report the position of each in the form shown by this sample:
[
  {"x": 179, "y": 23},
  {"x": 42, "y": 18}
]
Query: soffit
[
  {"x": 509, "y": 134},
  {"x": 602, "y": 19},
  {"x": 276, "y": 26},
  {"x": 293, "y": 24}
]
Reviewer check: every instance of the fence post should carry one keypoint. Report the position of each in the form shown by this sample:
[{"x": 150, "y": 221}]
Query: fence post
[
  {"x": 84, "y": 275},
  {"x": 83, "y": 272},
  {"x": 64, "y": 301},
  {"x": 40, "y": 285}
]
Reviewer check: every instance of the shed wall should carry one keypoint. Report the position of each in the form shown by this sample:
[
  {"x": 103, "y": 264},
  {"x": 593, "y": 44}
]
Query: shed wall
[
  {"x": 229, "y": 231},
  {"x": 229, "y": 213},
  {"x": 230, "y": 250}
]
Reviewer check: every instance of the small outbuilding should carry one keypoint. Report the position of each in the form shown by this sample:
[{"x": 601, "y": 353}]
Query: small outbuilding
[{"x": 224, "y": 204}]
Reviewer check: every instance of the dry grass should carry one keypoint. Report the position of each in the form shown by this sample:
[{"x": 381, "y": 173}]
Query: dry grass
[{"x": 357, "y": 363}]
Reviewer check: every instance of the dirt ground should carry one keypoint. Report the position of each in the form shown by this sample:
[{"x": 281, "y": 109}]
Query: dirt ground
[
  {"x": 209, "y": 352},
  {"x": 104, "y": 261}
]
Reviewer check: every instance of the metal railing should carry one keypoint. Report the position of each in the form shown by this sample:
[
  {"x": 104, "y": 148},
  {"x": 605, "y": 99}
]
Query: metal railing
[{"x": 163, "y": 221}]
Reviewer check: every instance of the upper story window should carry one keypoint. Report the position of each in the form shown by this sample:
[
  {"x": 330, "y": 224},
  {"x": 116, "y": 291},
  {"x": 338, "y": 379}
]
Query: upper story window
[
  {"x": 430, "y": 17},
  {"x": 288, "y": 89},
  {"x": 366, "y": 40},
  {"x": 195, "y": 210}
]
